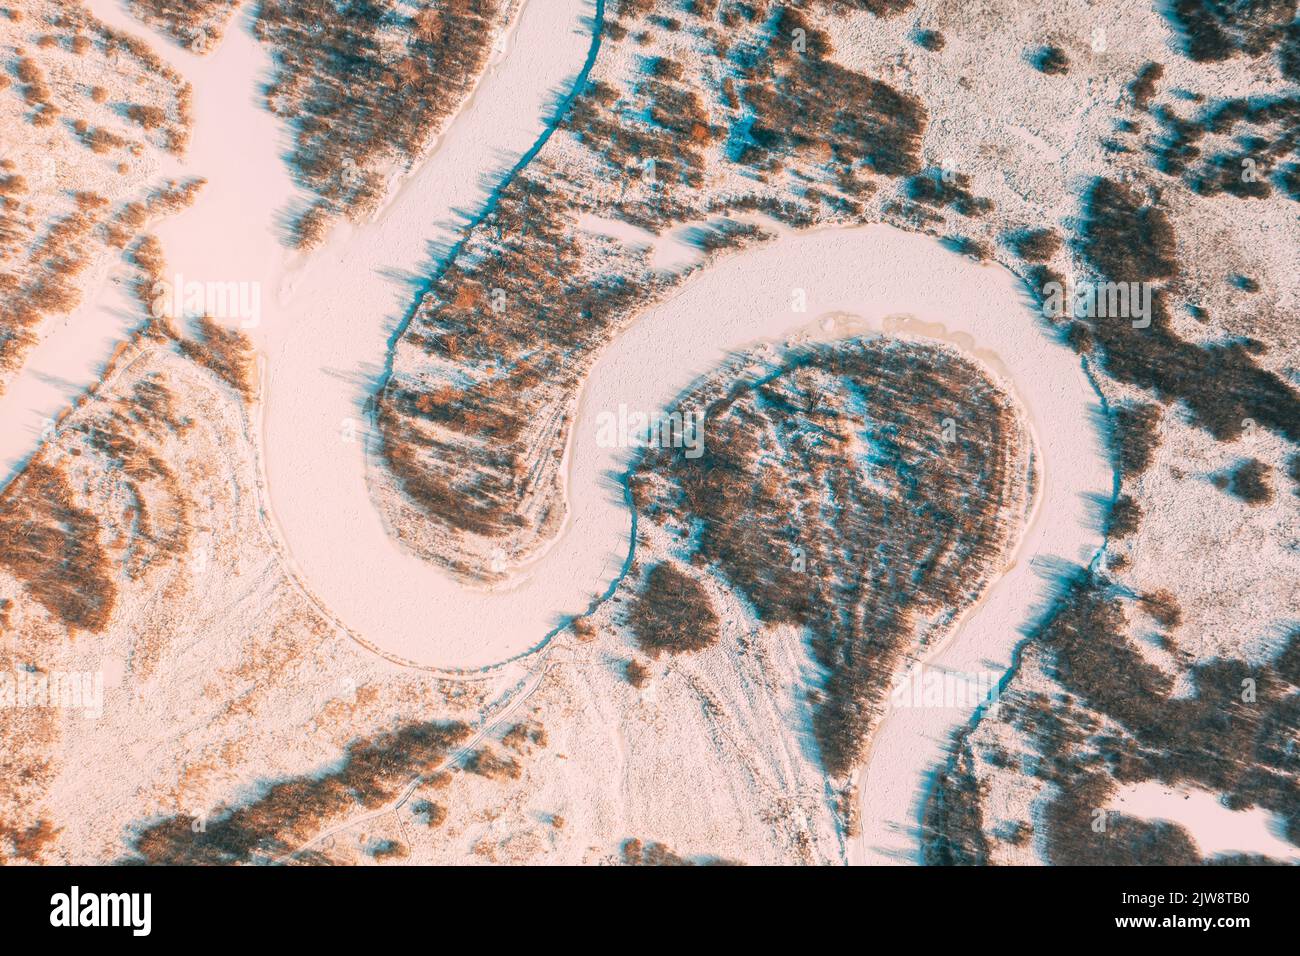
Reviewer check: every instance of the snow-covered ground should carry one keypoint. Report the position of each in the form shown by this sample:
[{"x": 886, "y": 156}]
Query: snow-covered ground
[
  {"x": 865, "y": 280},
  {"x": 74, "y": 348},
  {"x": 70, "y": 357},
  {"x": 327, "y": 316},
  {"x": 1216, "y": 829}
]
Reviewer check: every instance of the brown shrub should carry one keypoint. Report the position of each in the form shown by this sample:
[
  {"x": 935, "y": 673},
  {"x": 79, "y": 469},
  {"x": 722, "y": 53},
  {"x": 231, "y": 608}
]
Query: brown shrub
[
  {"x": 228, "y": 353},
  {"x": 435, "y": 814},
  {"x": 673, "y": 612},
  {"x": 29, "y": 843},
  {"x": 1124, "y": 518},
  {"x": 636, "y": 673},
  {"x": 1035, "y": 245},
  {"x": 486, "y": 762},
  {"x": 1250, "y": 481},
  {"x": 1135, "y": 437},
  {"x": 519, "y": 736},
  {"x": 150, "y": 117},
  {"x": 1163, "y": 606},
  {"x": 1051, "y": 60}
]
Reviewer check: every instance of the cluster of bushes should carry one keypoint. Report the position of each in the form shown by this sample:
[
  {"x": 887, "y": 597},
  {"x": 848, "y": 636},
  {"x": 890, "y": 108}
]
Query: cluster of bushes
[
  {"x": 1135, "y": 436},
  {"x": 801, "y": 100},
  {"x": 1217, "y": 738},
  {"x": 46, "y": 284},
  {"x": 1164, "y": 607},
  {"x": 520, "y": 736},
  {"x": 813, "y": 124},
  {"x": 931, "y": 40},
  {"x": 226, "y": 352},
  {"x": 953, "y": 823},
  {"x": 673, "y": 612},
  {"x": 937, "y": 188},
  {"x": 782, "y": 506},
  {"x": 1143, "y": 86},
  {"x": 880, "y": 8},
  {"x": 127, "y": 221},
  {"x": 36, "y": 92},
  {"x": 98, "y": 139},
  {"x": 53, "y": 547},
  {"x": 30, "y": 842},
  {"x": 1124, "y": 517},
  {"x": 288, "y": 814},
  {"x": 1288, "y": 52},
  {"x": 174, "y": 121},
  {"x": 659, "y": 135},
  {"x": 366, "y": 84},
  {"x": 1125, "y": 240},
  {"x": 1250, "y": 482},
  {"x": 43, "y": 278},
  {"x": 486, "y": 762},
  {"x": 1034, "y": 245},
  {"x": 517, "y": 318},
  {"x": 1251, "y": 165},
  {"x": 637, "y": 853},
  {"x": 127, "y": 435},
  {"x": 636, "y": 673},
  {"x": 434, "y": 814},
  {"x": 198, "y": 24},
  {"x": 1215, "y": 30},
  {"x": 1050, "y": 60},
  {"x": 388, "y": 850}
]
